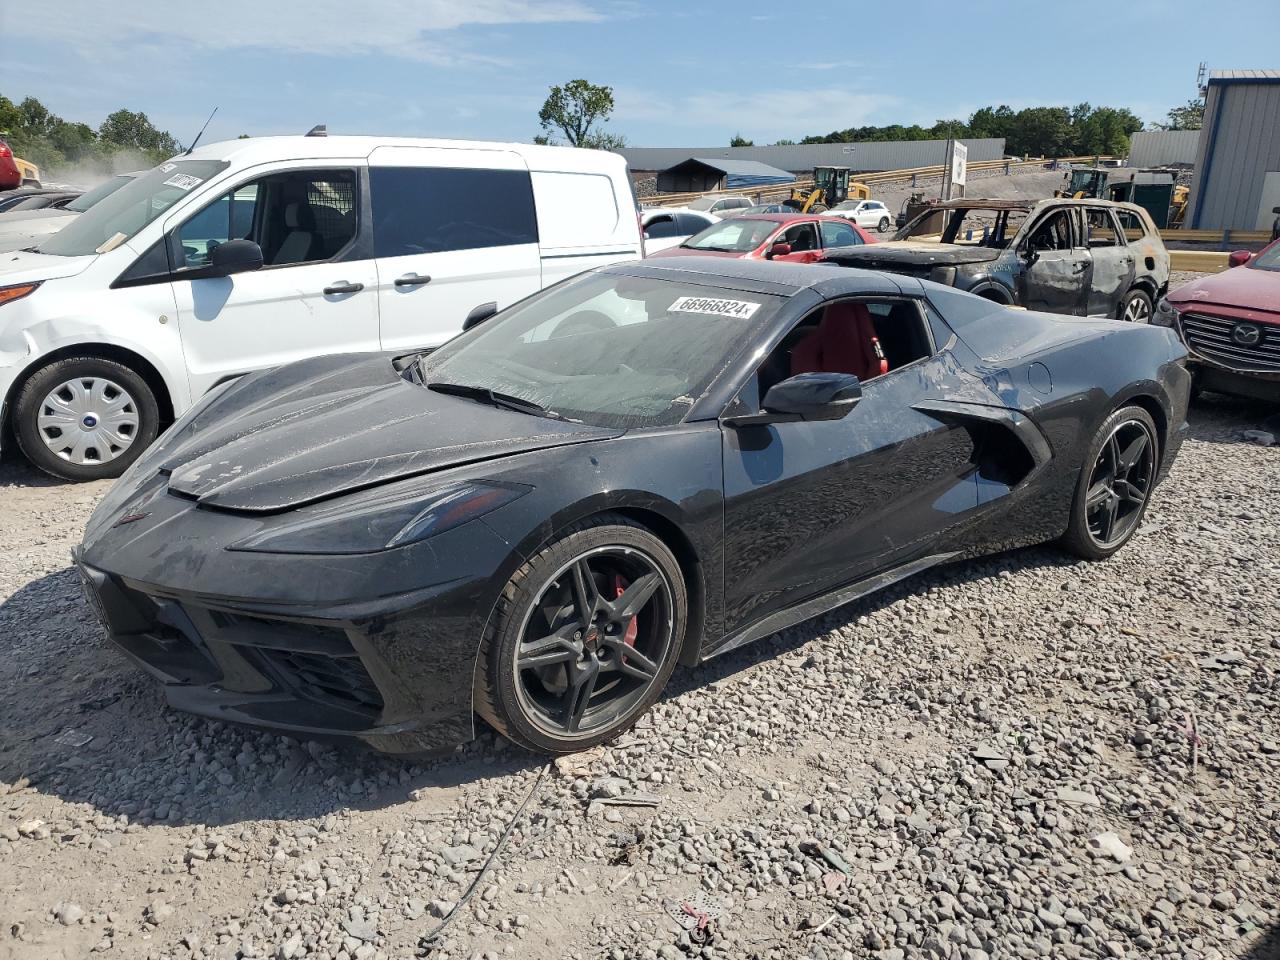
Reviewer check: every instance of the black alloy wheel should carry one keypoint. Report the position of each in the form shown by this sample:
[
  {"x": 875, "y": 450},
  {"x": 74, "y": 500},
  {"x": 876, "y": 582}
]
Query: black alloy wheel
[
  {"x": 1115, "y": 484},
  {"x": 587, "y": 634}
]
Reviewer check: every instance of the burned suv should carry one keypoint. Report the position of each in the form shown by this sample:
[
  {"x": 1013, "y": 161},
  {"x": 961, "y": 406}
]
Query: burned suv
[{"x": 1084, "y": 257}]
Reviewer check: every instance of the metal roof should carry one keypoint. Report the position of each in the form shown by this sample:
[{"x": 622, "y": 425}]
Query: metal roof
[
  {"x": 743, "y": 168},
  {"x": 1244, "y": 76}
]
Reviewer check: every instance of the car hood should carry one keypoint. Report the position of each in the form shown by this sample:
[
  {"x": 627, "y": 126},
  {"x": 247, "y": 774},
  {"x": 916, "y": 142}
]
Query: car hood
[
  {"x": 687, "y": 252},
  {"x": 18, "y": 266},
  {"x": 1242, "y": 287},
  {"x": 19, "y": 234},
  {"x": 333, "y": 425},
  {"x": 43, "y": 213},
  {"x": 912, "y": 253}
]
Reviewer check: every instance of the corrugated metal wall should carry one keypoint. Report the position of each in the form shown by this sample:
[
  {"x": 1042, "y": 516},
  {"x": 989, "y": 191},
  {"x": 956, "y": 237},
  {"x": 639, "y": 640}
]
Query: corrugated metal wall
[
  {"x": 1156, "y": 148},
  {"x": 1241, "y": 144},
  {"x": 888, "y": 155}
]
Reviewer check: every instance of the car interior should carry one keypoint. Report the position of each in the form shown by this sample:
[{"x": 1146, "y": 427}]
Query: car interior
[
  {"x": 866, "y": 338},
  {"x": 1052, "y": 233}
]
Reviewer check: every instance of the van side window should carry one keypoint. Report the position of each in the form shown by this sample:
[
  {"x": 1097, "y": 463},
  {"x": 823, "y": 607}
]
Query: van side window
[
  {"x": 296, "y": 217},
  {"x": 437, "y": 209}
]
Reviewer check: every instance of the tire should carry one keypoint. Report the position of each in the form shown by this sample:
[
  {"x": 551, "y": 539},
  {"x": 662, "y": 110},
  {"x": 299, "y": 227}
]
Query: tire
[
  {"x": 1135, "y": 306},
  {"x": 883, "y": 226},
  {"x": 527, "y": 705},
  {"x": 1088, "y": 508},
  {"x": 134, "y": 423},
  {"x": 819, "y": 208}
]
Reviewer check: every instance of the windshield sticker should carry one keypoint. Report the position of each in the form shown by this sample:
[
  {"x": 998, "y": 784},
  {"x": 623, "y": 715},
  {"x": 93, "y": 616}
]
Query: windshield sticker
[
  {"x": 167, "y": 167},
  {"x": 183, "y": 181},
  {"x": 739, "y": 309}
]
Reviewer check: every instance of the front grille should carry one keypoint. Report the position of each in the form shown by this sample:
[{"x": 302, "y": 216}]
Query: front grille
[
  {"x": 1213, "y": 338},
  {"x": 339, "y": 680}
]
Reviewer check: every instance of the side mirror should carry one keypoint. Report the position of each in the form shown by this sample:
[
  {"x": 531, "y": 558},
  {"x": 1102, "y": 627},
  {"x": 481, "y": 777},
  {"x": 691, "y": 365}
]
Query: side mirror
[
  {"x": 779, "y": 249},
  {"x": 479, "y": 315},
  {"x": 1238, "y": 258},
  {"x": 234, "y": 256},
  {"x": 806, "y": 396}
]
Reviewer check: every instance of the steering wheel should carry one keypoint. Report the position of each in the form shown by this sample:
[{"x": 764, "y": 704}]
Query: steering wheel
[{"x": 584, "y": 321}]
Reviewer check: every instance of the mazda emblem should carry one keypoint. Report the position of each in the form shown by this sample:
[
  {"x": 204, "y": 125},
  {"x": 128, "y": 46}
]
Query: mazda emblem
[{"x": 1246, "y": 334}]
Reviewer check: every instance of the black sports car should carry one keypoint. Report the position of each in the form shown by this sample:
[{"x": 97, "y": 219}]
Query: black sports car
[{"x": 642, "y": 465}]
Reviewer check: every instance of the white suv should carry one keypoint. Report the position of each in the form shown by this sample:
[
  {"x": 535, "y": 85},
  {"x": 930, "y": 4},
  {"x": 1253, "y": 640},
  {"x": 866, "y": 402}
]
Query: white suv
[
  {"x": 253, "y": 253},
  {"x": 871, "y": 214}
]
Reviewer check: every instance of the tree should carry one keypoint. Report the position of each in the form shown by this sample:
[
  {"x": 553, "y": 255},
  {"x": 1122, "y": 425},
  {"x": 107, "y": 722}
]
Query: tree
[
  {"x": 124, "y": 128},
  {"x": 1189, "y": 116},
  {"x": 574, "y": 111},
  {"x": 740, "y": 141}
]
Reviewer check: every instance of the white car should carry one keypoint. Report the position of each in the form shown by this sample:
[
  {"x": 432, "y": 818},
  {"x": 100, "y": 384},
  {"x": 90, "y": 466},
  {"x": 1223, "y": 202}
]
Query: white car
[
  {"x": 666, "y": 227},
  {"x": 20, "y": 229},
  {"x": 723, "y": 206},
  {"x": 868, "y": 214},
  {"x": 254, "y": 253}
]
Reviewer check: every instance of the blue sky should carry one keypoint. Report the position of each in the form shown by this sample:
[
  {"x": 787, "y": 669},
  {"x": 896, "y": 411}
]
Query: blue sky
[{"x": 683, "y": 73}]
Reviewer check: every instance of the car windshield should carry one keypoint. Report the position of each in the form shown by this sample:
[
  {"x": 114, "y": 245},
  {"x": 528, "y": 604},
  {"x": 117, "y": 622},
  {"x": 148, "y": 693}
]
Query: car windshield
[
  {"x": 605, "y": 349},
  {"x": 739, "y": 235},
  {"x": 87, "y": 199},
  {"x": 1268, "y": 259},
  {"x": 129, "y": 207}
]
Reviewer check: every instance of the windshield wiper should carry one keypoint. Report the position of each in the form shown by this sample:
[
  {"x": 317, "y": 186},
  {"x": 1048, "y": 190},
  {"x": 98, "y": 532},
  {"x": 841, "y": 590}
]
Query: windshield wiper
[
  {"x": 716, "y": 249},
  {"x": 494, "y": 398}
]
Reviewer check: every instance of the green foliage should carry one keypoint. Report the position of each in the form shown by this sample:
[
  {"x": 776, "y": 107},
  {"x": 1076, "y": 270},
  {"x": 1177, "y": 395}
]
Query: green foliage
[
  {"x": 1036, "y": 131},
  {"x": 740, "y": 141},
  {"x": 574, "y": 111},
  {"x": 45, "y": 139},
  {"x": 1189, "y": 116}
]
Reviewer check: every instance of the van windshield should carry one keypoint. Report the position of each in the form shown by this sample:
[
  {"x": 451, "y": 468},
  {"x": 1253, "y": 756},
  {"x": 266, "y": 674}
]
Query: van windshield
[{"x": 118, "y": 216}]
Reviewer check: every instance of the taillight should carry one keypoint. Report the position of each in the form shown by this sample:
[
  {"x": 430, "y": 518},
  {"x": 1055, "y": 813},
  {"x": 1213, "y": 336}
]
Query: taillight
[{"x": 5, "y": 151}]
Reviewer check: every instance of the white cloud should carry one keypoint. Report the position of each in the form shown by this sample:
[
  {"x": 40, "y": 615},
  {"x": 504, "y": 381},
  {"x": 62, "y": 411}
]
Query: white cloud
[
  {"x": 767, "y": 114},
  {"x": 409, "y": 29}
]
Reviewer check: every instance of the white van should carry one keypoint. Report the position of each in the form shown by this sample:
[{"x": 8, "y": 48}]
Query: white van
[{"x": 253, "y": 253}]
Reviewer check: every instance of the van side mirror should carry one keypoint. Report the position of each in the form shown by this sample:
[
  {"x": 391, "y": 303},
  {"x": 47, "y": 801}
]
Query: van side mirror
[
  {"x": 479, "y": 315},
  {"x": 234, "y": 256},
  {"x": 806, "y": 396},
  {"x": 1238, "y": 258}
]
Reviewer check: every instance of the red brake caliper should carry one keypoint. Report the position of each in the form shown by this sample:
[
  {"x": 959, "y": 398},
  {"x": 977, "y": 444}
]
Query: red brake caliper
[{"x": 628, "y": 635}]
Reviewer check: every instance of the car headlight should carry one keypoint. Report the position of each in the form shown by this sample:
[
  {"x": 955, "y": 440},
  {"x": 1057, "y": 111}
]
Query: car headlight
[
  {"x": 392, "y": 519},
  {"x": 1165, "y": 315},
  {"x": 16, "y": 292}
]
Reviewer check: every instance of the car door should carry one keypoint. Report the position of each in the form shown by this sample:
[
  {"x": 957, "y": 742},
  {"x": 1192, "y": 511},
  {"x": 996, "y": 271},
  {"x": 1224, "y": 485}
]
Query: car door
[
  {"x": 1113, "y": 266},
  {"x": 453, "y": 230},
  {"x": 804, "y": 242},
  {"x": 835, "y": 232},
  {"x": 810, "y": 506},
  {"x": 661, "y": 232},
  {"x": 314, "y": 293},
  {"x": 1055, "y": 263}
]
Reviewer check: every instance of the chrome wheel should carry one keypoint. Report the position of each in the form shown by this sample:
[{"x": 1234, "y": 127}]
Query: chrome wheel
[
  {"x": 88, "y": 420},
  {"x": 1137, "y": 310},
  {"x": 1120, "y": 483},
  {"x": 593, "y": 643}
]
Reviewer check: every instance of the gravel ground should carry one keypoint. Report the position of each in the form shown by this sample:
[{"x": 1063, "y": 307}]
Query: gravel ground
[{"x": 997, "y": 759}]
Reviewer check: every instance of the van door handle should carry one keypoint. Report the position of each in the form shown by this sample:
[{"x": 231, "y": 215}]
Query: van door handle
[
  {"x": 411, "y": 280},
  {"x": 343, "y": 287}
]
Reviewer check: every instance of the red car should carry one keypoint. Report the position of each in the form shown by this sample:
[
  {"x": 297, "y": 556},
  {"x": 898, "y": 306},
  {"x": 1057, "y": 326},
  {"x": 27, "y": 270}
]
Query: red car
[
  {"x": 797, "y": 237},
  {"x": 1230, "y": 324},
  {"x": 10, "y": 175}
]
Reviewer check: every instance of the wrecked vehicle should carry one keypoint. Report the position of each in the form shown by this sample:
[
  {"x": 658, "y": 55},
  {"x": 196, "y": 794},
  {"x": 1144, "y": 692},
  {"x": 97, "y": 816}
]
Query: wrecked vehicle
[
  {"x": 1082, "y": 257},
  {"x": 650, "y": 463}
]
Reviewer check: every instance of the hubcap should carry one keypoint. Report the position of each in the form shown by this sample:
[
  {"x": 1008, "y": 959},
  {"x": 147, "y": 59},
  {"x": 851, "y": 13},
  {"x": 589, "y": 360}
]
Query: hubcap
[
  {"x": 1120, "y": 483},
  {"x": 1137, "y": 311},
  {"x": 593, "y": 643},
  {"x": 88, "y": 420}
]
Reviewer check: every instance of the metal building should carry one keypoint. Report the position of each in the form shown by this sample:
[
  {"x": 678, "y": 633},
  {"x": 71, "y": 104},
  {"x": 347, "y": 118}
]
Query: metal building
[
  {"x": 802, "y": 158},
  {"x": 701, "y": 173},
  {"x": 1237, "y": 177},
  {"x": 1159, "y": 148}
]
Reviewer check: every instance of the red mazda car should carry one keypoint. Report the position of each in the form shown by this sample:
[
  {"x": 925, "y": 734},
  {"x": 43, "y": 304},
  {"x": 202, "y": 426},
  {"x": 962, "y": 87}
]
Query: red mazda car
[
  {"x": 797, "y": 237},
  {"x": 10, "y": 175},
  {"x": 1230, "y": 324}
]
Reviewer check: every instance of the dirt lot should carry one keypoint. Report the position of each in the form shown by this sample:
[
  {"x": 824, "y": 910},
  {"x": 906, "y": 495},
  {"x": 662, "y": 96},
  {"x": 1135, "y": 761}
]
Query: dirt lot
[{"x": 1000, "y": 754}]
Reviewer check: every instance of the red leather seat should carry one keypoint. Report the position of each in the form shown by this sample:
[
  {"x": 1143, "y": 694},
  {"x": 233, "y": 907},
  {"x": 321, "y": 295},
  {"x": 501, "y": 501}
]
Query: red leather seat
[{"x": 845, "y": 342}]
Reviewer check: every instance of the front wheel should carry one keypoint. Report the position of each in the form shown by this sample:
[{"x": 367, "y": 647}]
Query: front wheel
[
  {"x": 85, "y": 418},
  {"x": 1115, "y": 484},
  {"x": 883, "y": 225},
  {"x": 1135, "y": 307},
  {"x": 583, "y": 638}
]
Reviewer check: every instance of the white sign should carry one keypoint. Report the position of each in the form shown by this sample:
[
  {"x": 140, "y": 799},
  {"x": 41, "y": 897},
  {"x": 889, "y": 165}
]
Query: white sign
[
  {"x": 959, "y": 162},
  {"x": 741, "y": 309}
]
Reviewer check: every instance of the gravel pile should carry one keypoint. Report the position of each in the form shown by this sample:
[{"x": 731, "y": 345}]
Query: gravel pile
[{"x": 1025, "y": 756}]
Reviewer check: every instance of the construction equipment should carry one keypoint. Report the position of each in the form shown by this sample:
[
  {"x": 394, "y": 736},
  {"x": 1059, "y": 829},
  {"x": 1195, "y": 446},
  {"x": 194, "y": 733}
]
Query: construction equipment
[
  {"x": 831, "y": 185},
  {"x": 1152, "y": 189}
]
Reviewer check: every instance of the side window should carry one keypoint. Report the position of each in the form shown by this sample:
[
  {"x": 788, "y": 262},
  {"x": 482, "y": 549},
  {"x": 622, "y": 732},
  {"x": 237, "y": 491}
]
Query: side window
[
  {"x": 1053, "y": 232},
  {"x": 801, "y": 237},
  {"x": 660, "y": 227},
  {"x": 437, "y": 209},
  {"x": 688, "y": 224},
  {"x": 1131, "y": 224},
  {"x": 1101, "y": 229},
  {"x": 230, "y": 217},
  {"x": 838, "y": 233}
]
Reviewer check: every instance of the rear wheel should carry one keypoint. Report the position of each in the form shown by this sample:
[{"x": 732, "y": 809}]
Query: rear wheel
[
  {"x": 1115, "y": 484},
  {"x": 583, "y": 639},
  {"x": 884, "y": 225},
  {"x": 85, "y": 418},
  {"x": 1135, "y": 307}
]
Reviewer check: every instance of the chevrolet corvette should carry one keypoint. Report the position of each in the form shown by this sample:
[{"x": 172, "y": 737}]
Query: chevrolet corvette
[{"x": 647, "y": 465}]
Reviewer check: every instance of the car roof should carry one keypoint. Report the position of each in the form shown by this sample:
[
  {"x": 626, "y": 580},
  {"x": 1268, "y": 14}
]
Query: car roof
[
  {"x": 987, "y": 203},
  {"x": 765, "y": 276},
  {"x": 779, "y": 217}
]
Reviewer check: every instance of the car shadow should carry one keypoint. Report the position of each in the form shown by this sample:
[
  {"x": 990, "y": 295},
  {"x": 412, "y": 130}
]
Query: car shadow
[
  {"x": 1219, "y": 418},
  {"x": 1266, "y": 948},
  {"x": 15, "y": 471}
]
